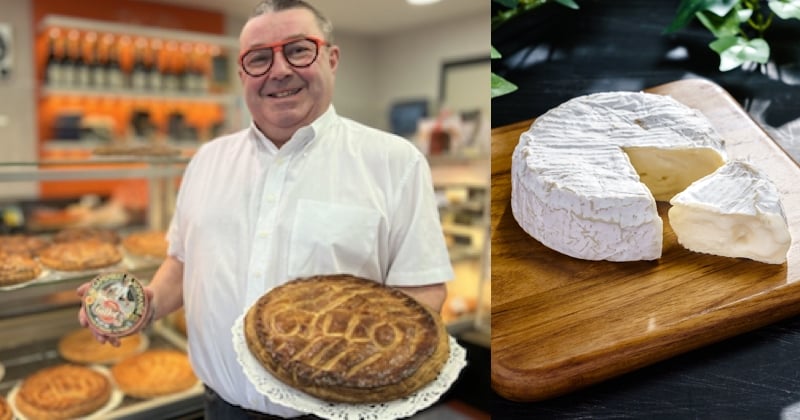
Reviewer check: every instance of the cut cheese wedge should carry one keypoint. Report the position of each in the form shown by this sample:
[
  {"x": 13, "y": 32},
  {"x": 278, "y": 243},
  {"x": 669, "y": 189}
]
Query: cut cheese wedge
[
  {"x": 734, "y": 212},
  {"x": 586, "y": 176}
]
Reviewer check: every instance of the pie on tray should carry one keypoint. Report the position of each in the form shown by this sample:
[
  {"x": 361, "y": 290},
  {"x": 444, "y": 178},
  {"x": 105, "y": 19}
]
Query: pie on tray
[
  {"x": 23, "y": 244},
  {"x": 149, "y": 243},
  {"x": 80, "y": 255},
  {"x": 154, "y": 373},
  {"x": 84, "y": 233},
  {"x": 80, "y": 346},
  {"x": 345, "y": 339},
  {"x": 17, "y": 268},
  {"x": 63, "y": 392}
]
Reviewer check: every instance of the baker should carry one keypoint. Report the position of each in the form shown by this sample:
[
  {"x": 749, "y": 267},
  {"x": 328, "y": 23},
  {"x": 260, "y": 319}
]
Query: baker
[{"x": 302, "y": 191}]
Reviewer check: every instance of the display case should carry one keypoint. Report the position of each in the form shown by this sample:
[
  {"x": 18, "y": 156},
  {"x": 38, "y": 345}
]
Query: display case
[
  {"x": 461, "y": 184},
  {"x": 36, "y": 314}
]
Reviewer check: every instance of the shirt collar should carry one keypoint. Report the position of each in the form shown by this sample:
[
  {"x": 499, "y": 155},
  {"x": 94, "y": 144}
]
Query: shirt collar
[{"x": 301, "y": 138}]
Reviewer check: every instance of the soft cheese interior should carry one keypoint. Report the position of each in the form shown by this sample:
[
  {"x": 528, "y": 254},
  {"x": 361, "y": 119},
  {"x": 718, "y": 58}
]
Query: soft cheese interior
[
  {"x": 586, "y": 175},
  {"x": 734, "y": 212}
]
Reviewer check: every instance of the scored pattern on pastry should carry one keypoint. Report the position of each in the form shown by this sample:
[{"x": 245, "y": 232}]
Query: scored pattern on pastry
[
  {"x": 154, "y": 373},
  {"x": 80, "y": 255},
  {"x": 346, "y": 339},
  {"x": 62, "y": 392}
]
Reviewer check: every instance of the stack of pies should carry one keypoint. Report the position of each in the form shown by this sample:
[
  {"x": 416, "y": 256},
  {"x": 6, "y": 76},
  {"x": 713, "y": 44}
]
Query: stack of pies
[
  {"x": 345, "y": 339},
  {"x": 154, "y": 373},
  {"x": 63, "y": 392},
  {"x": 149, "y": 244},
  {"x": 80, "y": 255},
  {"x": 5, "y": 410},
  {"x": 80, "y": 346}
]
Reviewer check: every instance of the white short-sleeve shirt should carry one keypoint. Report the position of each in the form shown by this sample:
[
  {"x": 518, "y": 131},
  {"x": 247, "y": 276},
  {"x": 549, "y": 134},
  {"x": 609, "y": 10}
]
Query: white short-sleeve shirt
[{"x": 339, "y": 197}]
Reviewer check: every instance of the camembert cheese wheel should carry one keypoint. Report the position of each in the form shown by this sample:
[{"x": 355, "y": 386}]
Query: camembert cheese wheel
[{"x": 586, "y": 176}]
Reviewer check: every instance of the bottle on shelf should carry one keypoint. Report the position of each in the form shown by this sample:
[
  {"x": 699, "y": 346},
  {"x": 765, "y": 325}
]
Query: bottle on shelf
[
  {"x": 53, "y": 77},
  {"x": 99, "y": 79},
  {"x": 155, "y": 82},
  {"x": 68, "y": 61},
  {"x": 82, "y": 70},
  {"x": 114, "y": 75},
  {"x": 139, "y": 73}
]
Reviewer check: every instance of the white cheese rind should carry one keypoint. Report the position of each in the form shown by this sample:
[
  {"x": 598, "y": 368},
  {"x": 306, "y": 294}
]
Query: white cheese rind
[
  {"x": 575, "y": 189},
  {"x": 734, "y": 212}
]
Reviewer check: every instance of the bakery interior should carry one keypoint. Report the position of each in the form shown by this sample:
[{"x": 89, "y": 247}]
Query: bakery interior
[{"x": 76, "y": 154}]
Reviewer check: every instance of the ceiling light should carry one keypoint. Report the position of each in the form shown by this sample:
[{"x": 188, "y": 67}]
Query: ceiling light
[{"x": 421, "y": 2}]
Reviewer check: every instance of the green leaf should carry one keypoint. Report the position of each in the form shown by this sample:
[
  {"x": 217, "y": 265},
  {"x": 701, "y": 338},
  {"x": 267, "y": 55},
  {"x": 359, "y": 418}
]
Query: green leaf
[
  {"x": 734, "y": 51},
  {"x": 720, "y": 26},
  {"x": 508, "y": 3},
  {"x": 495, "y": 53},
  {"x": 785, "y": 9},
  {"x": 568, "y": 3},
  {"x": 501, "y": 86},
  {"x": 688, "y": 9}
]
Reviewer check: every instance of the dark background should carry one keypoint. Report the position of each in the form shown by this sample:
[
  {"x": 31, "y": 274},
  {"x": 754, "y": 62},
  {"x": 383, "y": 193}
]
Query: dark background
[{"x": 553, "y": 54}]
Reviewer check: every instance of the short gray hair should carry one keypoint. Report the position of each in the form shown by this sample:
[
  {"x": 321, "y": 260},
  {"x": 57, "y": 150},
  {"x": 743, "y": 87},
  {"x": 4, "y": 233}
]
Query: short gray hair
[{"x": 271, "y": 6}]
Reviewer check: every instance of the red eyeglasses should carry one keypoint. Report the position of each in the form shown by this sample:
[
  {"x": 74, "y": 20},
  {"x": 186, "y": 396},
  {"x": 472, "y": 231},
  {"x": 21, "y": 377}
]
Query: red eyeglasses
[{"x": 298, "y": 53}]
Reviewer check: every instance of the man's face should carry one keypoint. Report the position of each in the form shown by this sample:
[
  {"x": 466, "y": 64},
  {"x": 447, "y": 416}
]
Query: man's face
[{"x": 286, "y": 97}]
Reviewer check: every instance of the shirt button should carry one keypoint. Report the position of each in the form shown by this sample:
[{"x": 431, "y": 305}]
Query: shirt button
[
  {"x": 271, "y": 198},
  {"x": 263, "y": 234}
]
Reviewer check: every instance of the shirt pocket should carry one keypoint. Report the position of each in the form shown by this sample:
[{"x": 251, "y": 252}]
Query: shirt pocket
[{"x": 331, "y": 238}]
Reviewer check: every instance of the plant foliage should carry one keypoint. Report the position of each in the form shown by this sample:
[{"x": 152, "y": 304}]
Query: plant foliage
[
  {"x": 739, "y": 26},
  {"x": 513, "y": 8}
]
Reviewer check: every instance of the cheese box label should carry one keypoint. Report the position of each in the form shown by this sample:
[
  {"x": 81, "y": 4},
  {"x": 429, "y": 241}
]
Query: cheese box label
[{"x": 115, "y": 304}]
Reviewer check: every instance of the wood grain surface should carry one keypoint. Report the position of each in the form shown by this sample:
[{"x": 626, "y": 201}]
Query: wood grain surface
[{"x": 560, "y": 323}]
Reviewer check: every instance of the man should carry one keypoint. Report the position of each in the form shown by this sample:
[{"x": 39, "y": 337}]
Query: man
[{"x": 300, "y": 192}]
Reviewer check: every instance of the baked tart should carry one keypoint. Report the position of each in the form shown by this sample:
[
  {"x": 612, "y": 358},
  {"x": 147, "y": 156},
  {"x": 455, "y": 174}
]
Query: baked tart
[
  {"x": 23, "y": 244},
  {"x": 345, "y": 339},
  {"x": 148, "y": 244},
  {"x": 17, "y": 268},
  {"x": 154, "y": 373},
  {"x": 62, "y": 392},
  {"x": 80, "y": 255},
  {"x": 86, "y": 233},
  {"x": 80, "y": 346},
  {"x": 5, "y": 410}
]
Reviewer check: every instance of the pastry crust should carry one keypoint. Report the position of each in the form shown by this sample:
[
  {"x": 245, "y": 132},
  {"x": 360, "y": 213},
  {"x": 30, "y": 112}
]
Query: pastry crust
[
  {"x": 82, "y": 234},
  {"x": 17, "y": 268},
  {"x": 62, "y": 392},
  {"x": 80, "y": 255},
  {"x": 345, "y": 339},
  {"x": 149, "y": 244},
  {"x": 154, "y": 373},
  {"x": 5, "y": 410},
  {"x": 28, "y": 245},
  {"x": 80, "y": 346}
]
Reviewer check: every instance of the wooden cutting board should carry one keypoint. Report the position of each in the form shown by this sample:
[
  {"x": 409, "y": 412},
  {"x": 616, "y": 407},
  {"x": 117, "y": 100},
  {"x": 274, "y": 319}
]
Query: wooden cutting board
[{"x": 560, "y": 323}]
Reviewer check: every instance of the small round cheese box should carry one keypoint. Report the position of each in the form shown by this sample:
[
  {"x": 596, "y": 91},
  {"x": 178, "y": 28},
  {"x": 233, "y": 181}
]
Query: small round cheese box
[{"x": 115, "y": 304}]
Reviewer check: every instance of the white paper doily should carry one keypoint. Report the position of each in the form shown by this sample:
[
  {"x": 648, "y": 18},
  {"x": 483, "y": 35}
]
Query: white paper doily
[
  {"x": 102, "y": 413},
  {"x": 282, "y": 394}
]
